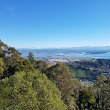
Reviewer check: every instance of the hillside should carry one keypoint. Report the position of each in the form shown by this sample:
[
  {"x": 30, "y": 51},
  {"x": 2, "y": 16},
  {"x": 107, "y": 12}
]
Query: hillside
[
  {"x": 30, "y": 84},
  {"x": 90, "y": 69}
]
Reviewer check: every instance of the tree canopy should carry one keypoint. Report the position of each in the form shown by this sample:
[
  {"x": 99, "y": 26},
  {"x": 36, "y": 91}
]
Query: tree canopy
[{"x": 30, "y": 84}]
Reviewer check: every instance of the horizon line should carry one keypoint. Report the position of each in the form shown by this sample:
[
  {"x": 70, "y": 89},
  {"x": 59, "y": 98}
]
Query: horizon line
[{"x": 63, "y": 47}]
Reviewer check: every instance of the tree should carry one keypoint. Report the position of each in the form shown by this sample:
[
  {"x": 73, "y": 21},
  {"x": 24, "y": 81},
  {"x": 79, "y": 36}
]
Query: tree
[
  {"x": 23, "y": 87},
  {"x": 65, "y": 81},
  {"x": 102, "y": 90},
  {"x": 31, "y": 57},
  {"x": 10, "y": 57},
  {"x": 1, "y": 66},
  {"x": 29, "y": 90},
  {"x": 3, "y": 49},
  {"x": 41, "y": 66},
  {"x": 24, "y": 65},
  {"x": 86, "y": 100}
]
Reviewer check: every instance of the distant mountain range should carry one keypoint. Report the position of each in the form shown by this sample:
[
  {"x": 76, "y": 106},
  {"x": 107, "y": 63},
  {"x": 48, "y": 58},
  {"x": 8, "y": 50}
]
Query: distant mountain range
[{"x": 77, "y": 48}]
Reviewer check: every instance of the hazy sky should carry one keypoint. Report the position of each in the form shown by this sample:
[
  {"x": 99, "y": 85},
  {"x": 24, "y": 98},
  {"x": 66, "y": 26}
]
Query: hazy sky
[{"x": 55, "y": 23}]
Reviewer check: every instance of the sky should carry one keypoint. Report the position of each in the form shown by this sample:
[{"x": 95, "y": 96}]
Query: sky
[{"x": 55, "y": 23}]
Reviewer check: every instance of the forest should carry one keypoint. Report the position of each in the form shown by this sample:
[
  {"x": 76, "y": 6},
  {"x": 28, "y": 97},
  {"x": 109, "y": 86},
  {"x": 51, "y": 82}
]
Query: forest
[
  {"x": 90, "y": 69},
  {"x": 30, "y": 84}
]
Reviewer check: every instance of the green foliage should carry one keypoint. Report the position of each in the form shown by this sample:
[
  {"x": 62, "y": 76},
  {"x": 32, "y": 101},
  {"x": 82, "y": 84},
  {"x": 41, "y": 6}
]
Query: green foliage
[
  {"x": 24, "y": 65},
  {"x": 79, "y": 73},
  {"x": 38, "y": 64},
  {"x": 65, "y": 81},
  {"x": 57, "y": 70},
  {"x": 27, "y": 90},
  {"x": 101, "y": 79},
  {"x": 10, "y": 57},
  {"x": 31, "y": 57},
  {"x": 3, "y": 49},
  {"x": 24, "y": 86},
  {"x": 102, "y": 93},
  {"x": 90, "y": 68},
  {"x": 86, "y": 100},
  {"x": 7, "y": 52},
  {"x": 1, "y": 66},
  {"x": 41, "y": 66}
]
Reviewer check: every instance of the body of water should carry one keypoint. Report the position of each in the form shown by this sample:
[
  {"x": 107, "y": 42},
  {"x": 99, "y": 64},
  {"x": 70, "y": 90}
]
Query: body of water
[{"x": 75, "y": 53}]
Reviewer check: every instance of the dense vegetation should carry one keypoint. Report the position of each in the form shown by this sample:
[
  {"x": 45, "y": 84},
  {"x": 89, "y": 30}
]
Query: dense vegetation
[
  {"x": 90, "y": 69},
  {"x": 23, "y": 87},
  {"x": 29, "y": 84}
]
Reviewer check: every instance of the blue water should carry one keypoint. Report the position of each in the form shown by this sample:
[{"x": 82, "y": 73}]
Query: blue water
[{"x": 75, "y": 53}]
